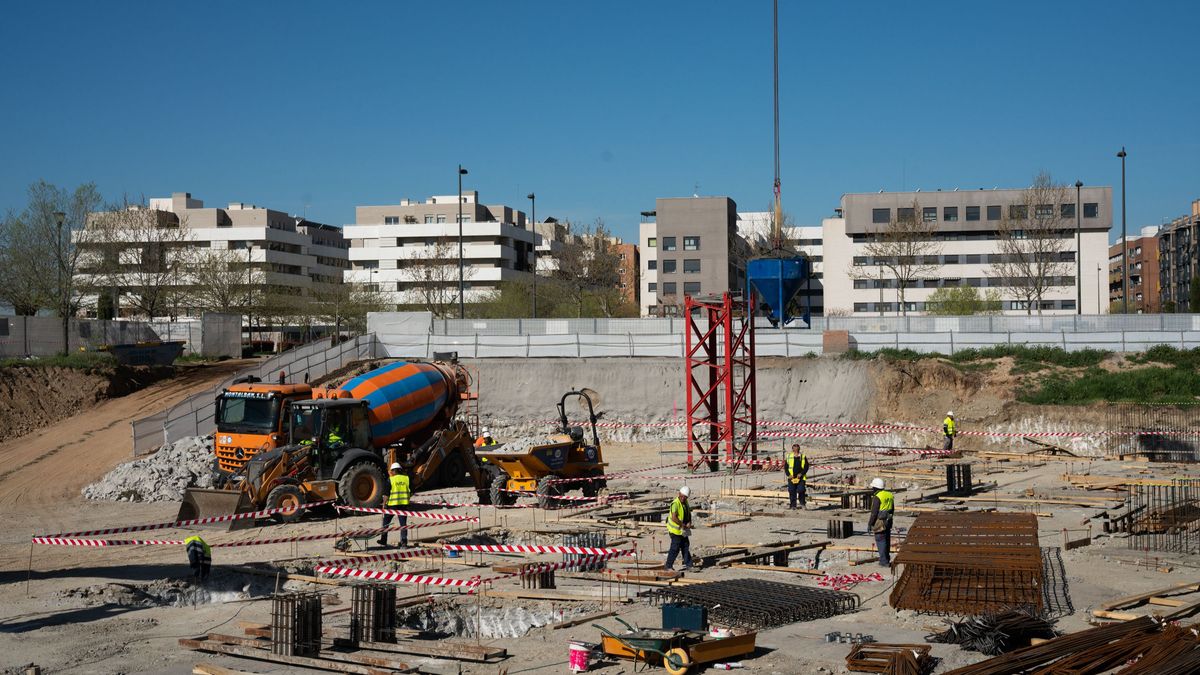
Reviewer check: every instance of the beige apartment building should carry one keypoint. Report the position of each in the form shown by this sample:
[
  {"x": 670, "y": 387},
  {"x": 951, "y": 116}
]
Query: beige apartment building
[{"x": 691, "y": 248}]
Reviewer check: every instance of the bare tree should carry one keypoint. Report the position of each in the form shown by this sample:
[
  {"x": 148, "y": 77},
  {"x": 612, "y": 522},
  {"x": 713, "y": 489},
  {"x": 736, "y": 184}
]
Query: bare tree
[
  {"x": 430, "y": 277},
  {"x": 21, "y": 263},
  {"x": 345, "y": 304},
  {"x": 1033, "y": 242},
  {"x": 904, "y": 249},
  {"x": 221, "y": 280},
  {"x": 138, "y": 252},
  {"x": 588, "y": 268}
]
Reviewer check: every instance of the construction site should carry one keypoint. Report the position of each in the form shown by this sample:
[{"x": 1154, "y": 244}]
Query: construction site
[{"x": 535, "y": 532}]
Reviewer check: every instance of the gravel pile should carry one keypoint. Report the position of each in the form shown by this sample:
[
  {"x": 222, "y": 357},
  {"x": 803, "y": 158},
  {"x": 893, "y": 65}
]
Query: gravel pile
[
  {"x": 161, "y": 477},
  {"x": 523, "y": 445}
]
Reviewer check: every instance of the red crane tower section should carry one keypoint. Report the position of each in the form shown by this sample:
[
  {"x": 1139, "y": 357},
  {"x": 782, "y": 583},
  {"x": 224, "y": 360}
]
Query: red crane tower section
[{"x": 719, "y": 363}]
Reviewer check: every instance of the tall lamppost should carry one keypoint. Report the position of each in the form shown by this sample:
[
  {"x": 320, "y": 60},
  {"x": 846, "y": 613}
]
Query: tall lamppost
[
  {"x": 462, "y": 307},
  {"x": 1099, "y": 289},
  {"x": 1124, "y": 244},
  {"x": 1078, "y": 253},
  {"x": 64, "y": 298},
  {"x": 533, "y": 214}
]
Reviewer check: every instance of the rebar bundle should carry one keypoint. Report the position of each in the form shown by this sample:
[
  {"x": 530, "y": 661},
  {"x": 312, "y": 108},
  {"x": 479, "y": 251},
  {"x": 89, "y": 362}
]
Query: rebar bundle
[
  {"x": 755, "y": 604},
  {"x": 890, "y": 659},
  {"x": 373, "y": 613},
  {"x": 589, "y": 539},
  {"x": 958, "y": 479},
  {"x": 995, "y": 633},
  {"x": 1169, "y": 433},
  {"x": 1047, "y": 657},
  {"x": 296, "y": 624},
  {"x": 970, "y": 563},
  {"x": 1163, "y": 516}
]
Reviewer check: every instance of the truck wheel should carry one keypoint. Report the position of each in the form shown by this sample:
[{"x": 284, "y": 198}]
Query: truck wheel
[
  {"x": 547, "y": 490},
  {"x": 497, "y": 491},
  {"x": 362, "y": 485},
  {"x": 452, "y": 471},
  {"x": 488, "y": 474},
  {"x": 285, "y": 497},
  {"x": 592, "y": 487}
]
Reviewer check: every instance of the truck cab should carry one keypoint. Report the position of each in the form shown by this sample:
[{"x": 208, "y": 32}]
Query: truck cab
[
  {"x": 344, "y": 460},
  {"x": 251, "y": 418}
]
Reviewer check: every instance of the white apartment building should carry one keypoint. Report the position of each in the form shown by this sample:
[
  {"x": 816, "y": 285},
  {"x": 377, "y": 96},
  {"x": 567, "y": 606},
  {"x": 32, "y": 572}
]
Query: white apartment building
[
  {"x": 284, "y": 253},
  {"x": 755, "y": 226},
  {"x": 967, "y": 225},
  {"x": 648, "y": 245},
  {"x": 405, "y": 249}
]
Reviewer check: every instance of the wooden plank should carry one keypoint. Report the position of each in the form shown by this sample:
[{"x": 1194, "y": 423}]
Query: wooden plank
[
  {"x": 214, "y": 669},
  {"x": 1033, "y": 500},
  {"x": 234, "y": 649},
  {"x": 753, "y": 554},
  {"x": 1116, "y": 616},
  {"x": 772, "y": 568},
  {"x": 1142, "y": 597},
  {"x": 459, "y": 651},
  {"x": 722, "y": 523},
  {"x": 1166, "y": 602},
  {"x": 570, "y": 623}
]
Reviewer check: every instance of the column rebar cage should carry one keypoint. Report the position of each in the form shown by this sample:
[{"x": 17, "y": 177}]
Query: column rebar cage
[
  {"x": 1158, "y": 432},
  {"x": 296, "y": 624},
  {"x": 720, "y": 380},
  {"x": 1163, "y": 516}
]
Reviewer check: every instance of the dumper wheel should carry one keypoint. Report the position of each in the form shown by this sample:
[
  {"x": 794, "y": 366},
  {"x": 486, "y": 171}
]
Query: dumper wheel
[
  {"x": 497, "y": 490},
  {"x": 488, "y": 475},
  {"x": 285, "y": 497},
  {"x": 547, "y": 490},
  {"x": 362, "y": 485},
  {"x": 594, "y": 484},
  {"x": 676, "y": 661}
]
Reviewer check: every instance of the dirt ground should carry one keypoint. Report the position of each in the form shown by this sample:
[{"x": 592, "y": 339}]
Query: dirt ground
[{"x": 123, "y": 609}]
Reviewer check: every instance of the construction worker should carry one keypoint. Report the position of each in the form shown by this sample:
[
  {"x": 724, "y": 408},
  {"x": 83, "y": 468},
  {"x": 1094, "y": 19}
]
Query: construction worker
[
  {"x": 398, "y": 495},
  {"x": 883, "y": 506},
  {"x": 950, "y": 430},
  {"x": 796, "y": 468},
  {"x": 334, "y": 438},
  {"x": 679, "y": 526},
  {"x": 199, "y": 555},
  {"x": 485, "y": 439}
]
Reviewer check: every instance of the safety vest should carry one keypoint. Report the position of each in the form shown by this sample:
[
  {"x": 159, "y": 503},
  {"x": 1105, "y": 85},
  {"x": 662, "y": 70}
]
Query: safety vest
[
  {"x": 887, "y": 503},
  {"x": 334, "y": 436},
  {"x": 399, "y": 494},
  {"x": 679, "y": 514},
  {"x": 483, "y": 441},
  {"x": 791, "y": 468},
  {"x": 194, "y": 542},
  {"x": 948, "y": 426}
]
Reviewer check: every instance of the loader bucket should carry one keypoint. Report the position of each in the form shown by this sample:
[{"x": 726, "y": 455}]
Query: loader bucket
[{"x": 205, "y": 503}]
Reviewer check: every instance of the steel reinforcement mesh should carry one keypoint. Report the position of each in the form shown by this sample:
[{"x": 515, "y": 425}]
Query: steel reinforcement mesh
[
  {"x": 755, "y": 604},
  {"x": 1167, "y": 433},
  {"x": 970, "y": 563},
  {"x": 1163, "y": 516}
]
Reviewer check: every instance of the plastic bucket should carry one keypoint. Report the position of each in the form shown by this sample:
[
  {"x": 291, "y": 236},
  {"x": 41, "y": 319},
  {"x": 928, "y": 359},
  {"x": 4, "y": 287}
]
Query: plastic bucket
[{"x": 580, "y": 657}]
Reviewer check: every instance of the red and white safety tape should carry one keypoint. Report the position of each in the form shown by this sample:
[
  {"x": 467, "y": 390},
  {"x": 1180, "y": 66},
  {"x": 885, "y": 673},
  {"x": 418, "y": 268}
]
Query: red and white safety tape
[
  {"x": 397, "y": 555},
  {"x": 317, "y": 537},
  {"x": 64, "y": 541},
  {"x": 428, "y": 515},
  {"x": 189, "y": 523},
  {"x": 396, "y": 576},
  {"x": 521, "y": 548},
  {"x": 586, "y": 561}
]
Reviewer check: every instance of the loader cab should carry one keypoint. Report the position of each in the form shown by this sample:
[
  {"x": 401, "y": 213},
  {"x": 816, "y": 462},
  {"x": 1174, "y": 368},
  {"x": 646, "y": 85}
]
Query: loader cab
[{"x": 329, "y": 427}]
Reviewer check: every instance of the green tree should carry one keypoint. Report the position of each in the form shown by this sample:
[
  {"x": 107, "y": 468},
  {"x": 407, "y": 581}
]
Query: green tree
[
  {"x": 1169, "y": 307},
  {"x": 962, "y": 301}
]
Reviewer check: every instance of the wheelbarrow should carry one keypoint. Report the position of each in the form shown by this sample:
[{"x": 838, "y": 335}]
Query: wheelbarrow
[{"x": 675, "y": 650}]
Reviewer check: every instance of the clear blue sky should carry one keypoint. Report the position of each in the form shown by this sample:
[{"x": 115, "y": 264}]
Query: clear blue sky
[{"x": 599, "y": 107}]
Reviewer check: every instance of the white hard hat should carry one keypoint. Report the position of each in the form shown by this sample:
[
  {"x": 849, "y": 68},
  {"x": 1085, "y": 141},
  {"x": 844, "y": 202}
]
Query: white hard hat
[
  {"x": 395, "y": 466},
  {"x": 877, "y": 483},
  {"x": 487, "y": 431},
  {"x": 950, "y": 414},
  {"x": 685, "y": 491}
]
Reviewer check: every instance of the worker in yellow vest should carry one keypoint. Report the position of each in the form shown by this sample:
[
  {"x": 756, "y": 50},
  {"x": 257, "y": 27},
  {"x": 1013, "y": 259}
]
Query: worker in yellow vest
[
  {"x": 949, "y": 430},
  {"x": 485, "y": 439},
  {"x": 796, "y": 468},
  {"x": 883, "y": 506},
  {"x": 199, "y": 555},
  {"x": 398, "y": 494},
  {"x": 679, "y": 526}
]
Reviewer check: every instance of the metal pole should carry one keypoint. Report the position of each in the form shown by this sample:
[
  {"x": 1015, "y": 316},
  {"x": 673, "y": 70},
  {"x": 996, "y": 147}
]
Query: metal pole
[
  {"x": 1124, "y": 243},
  {"x": 462, "y": 308},
  {"x": 1078, "y": 253},
  {"x": 777, "y": 230},
  {"x": 533, "y": 214},
  {"x": 1099, "y": 290}
]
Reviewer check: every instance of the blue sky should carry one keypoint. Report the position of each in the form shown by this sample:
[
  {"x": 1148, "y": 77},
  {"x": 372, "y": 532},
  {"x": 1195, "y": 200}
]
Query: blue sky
[{"x": 598, "y": 107}]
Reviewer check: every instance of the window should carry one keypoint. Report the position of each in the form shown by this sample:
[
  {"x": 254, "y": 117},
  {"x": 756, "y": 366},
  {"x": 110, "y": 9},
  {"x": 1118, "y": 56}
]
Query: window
[
  {"x": 691, "y": 265},
  {"x": 620, "y": 256},
  {"x": 651, "y": 264},
  {"x": 668, "y": 243},
  {"x": 391, "y": 220},
  {"x": 881, "y": 215},
  {"x": 905, "y": 214},
  {"x": 669, "y": 288},
  {"x": 1018, "y": 211},
  {"x": 1043, "y": 211},
  {"x": 429, "y": 217},
  {"x": 950, "y": 214},
  {"x": 950, "y": 260},
  {"x": 652, "y": 242},
  {"x": 973, "y": 258},
  {"x": 929, "y": 214},
  {"x": 972, "y": 213},
  {"x": 441, "y": 218},
  {"x": 861, "y": 307},
  {"x": 1091, "y": 210},
  {"x": 668, "y": 266},
  {"x": 466, "y": 218},
  {"x": 993, "y": 213},
  {"x": 691, "y": 287},
  {"x": 652, "y": 287},
  {"x": 1067, "y": 210},
  {"x": 691, "y": 243}
]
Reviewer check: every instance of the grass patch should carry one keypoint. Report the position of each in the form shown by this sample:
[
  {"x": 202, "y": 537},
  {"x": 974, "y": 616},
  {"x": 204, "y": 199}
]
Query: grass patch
[
  {"x": 1147, "y": 385},
  {"x": 1180, "y": 358},
  {"x": 975, "y": 366},
  {"x": 890, "y": 354},
  {"x": 1056, "y": 356},
  {"x": 86, "y": 361}
]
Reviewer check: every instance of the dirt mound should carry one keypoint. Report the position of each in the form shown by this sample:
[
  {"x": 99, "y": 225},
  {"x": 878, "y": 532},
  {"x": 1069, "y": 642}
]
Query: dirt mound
[
  {"x": 161, "y": 477},
  {"x": 35, "y": 397}
]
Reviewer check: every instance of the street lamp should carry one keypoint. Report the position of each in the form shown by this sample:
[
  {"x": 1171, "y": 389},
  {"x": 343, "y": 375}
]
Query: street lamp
[
  {"x": 1124, "y": 244},
  {"x": 462, "y": 308},
  {"x": 533, "y": 214},
  {"x": 1099, "y": 290},
  {"x": 64, "y": 296},
  {"x": 1078, "y": 254}
]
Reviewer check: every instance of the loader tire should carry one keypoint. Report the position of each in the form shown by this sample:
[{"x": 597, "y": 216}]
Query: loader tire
[
  {"x": 591, "y": 488},
  {"x": 362, "y": 484},
  {"x": 547, "y": 491},
  {"x": 282, "y": 497},
  {"x": 452, "y": 471},
  {"x": 498, "y": 495},
  {"x": 489, "y": 474}
]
